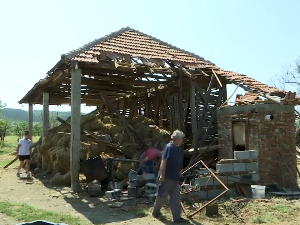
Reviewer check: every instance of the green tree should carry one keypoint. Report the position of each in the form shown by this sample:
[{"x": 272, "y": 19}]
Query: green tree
[
  {"x": 20, "y": 128},
  {"x": 37, "y": 129},
  {"x": 2, "y": 105},
  {"x": 53, "y": 122},
  {"x": 5, "y": 127}
]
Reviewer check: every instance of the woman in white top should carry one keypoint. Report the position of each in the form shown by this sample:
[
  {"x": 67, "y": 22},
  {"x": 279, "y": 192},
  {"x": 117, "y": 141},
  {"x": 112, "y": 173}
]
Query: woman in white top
[{"x": 23, "y": 152}]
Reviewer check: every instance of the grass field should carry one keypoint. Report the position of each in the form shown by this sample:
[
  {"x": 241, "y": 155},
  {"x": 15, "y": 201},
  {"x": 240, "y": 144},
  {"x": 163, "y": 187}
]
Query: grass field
[
  {"x": 27, "y": 213},
  {"x": 7, "y": 149}
]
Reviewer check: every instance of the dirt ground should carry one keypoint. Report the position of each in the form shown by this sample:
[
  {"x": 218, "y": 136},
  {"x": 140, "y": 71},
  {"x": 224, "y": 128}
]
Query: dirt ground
[
  {"x": 57, "y": 199},
  {"x": 41, "y": 194},
  {"x": 6, "y": 220}
]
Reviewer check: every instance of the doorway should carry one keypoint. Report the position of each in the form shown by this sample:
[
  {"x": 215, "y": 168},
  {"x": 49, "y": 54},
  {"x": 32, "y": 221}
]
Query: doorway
[{"x": 239, "y": 138}]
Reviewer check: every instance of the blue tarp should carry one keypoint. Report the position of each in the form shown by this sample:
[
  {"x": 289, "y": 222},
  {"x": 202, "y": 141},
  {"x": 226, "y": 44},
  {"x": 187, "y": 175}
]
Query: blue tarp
[{"x": 41, "y": 222}]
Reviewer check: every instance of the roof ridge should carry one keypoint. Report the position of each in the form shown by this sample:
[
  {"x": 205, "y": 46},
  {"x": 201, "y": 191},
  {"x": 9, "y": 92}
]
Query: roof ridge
[{"x": 89, "y": 45}]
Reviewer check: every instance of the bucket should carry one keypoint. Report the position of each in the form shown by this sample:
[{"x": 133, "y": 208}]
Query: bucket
[
  {"x": 258, "y": 191},
  {"x": 93, "y": 169}
]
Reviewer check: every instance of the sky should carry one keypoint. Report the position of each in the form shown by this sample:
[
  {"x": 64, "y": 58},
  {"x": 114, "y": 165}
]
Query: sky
[{"x": 252, "y": 37}]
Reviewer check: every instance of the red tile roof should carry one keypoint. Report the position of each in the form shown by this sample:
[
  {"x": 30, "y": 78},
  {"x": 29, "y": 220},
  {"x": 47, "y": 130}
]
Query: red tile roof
[{"x": 134, "y": 43}]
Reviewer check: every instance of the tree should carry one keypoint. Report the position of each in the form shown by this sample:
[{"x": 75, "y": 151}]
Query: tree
[
  {"x": 2, "y": 105},
  {"x": 20, "y": 129},
  {"x": 290, "y": 76},
  {"x": 5, "y": 128},
  {"x": 37, "y": 129},
  {"x": 52, "y": 118}
]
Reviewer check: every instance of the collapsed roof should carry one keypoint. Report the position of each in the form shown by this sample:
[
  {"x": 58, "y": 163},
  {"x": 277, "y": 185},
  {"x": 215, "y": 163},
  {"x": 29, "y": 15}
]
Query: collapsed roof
[{"x": 133, "y": 52}]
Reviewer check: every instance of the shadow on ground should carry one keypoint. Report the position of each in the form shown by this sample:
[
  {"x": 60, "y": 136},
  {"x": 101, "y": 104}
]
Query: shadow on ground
[{"x": 97, "y": 211}]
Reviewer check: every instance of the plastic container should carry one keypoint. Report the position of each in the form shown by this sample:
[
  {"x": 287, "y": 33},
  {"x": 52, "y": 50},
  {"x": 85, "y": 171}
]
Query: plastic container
[{"x": 258, "y": 191}]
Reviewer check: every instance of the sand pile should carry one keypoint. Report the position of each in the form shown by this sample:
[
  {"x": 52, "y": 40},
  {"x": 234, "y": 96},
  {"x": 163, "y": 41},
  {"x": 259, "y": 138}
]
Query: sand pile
[{"x": 109, "y": 138}]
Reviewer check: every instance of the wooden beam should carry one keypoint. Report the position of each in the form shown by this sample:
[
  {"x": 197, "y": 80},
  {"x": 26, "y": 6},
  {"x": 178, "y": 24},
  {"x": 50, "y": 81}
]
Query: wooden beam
[
  {"x": 75, "y": 128},
  {"x": 217, "y": 78},
  {"x": 30, "y": 121},
  {"x": 193, "y": 109},
  {"x": 45, "y": 124}
]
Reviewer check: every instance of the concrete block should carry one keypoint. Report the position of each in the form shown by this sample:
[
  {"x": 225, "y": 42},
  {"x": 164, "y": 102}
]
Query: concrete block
[
  {"x": 213, "y": 193},
  {"x": 239, "y": 167},
  {"x": 118, "y": 192},
  {"x": 201, "y": 194},
  {"x": 202, "y": 171},
  {"x": 234, "y": 179},
  {"x": 252, "y": 166},
  {"x": 255, "y": 177},
  {"x": 115, "y": 185},
  {"x": 223, "y": 168},
  {"x": 253, "y": 154},
  {"x": 132, "y": 191},
  {"x": 132, "y": 174},
  {"x": 241, "y": 154},
  {"x": 247, "y": 177},
  {"x": 150, "y": 188},
  {"x": 224, "y": 179},
  {"x": 204, "y": 181},
  {"x": 110, "y": 194}
]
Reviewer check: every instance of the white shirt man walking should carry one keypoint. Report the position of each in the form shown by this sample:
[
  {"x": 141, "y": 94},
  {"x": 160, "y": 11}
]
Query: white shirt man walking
[{"x": 23, "y": 152}]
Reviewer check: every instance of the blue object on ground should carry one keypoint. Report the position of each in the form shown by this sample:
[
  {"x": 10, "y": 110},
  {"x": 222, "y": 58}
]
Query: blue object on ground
[{"x": 41, "y": 222}]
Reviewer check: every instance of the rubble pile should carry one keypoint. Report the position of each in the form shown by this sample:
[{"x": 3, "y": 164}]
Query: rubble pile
[{"x": 102, "y": 134}]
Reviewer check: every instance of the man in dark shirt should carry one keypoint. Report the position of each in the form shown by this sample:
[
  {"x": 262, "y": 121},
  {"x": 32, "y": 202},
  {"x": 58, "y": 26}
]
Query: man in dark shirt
[{"x": 169, "y": 178}]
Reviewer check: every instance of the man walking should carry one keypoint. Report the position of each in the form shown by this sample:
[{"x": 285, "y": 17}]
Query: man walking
[
  {"x": 169, "y": 178},
  {"x": 23, "y": 152}
]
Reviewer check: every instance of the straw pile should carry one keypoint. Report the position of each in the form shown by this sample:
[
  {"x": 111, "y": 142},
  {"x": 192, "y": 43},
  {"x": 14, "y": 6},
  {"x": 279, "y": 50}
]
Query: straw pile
[{"x": 109, "y": 138}]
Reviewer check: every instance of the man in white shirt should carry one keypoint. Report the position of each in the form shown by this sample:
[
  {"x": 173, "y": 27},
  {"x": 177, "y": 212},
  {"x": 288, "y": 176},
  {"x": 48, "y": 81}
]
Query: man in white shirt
[{"x": 23, "y": 152}]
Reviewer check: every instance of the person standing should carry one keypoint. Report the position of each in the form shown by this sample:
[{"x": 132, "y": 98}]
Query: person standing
[
  {"x": 23, "y": 152},
  {"x": 169, "y": 178}
]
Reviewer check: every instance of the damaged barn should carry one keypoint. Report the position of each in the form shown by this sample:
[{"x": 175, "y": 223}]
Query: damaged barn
[{"x": 129, "y": 75}]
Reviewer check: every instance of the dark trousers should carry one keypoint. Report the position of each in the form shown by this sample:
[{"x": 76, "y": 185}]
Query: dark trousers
[{"x": 171, "y": 189}]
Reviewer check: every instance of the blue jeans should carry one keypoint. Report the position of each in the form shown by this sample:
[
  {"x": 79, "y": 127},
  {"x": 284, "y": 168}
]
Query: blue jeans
[{"x": 148, "y": 167}]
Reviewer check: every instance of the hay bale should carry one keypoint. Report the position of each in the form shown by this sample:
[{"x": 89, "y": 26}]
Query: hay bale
[
  {"x": 61, "y": 180},
  {"x": 94, "y": 125},
  {"x": 123, "y": 169},
  {"x": 64, "y": 140},
  {"x": 107, "y": 120}
]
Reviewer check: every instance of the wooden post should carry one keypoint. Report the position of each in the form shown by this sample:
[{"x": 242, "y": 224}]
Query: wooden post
[
  {"x": 200, "y": 122},
  {"x": 193, "y": 109},
  {"x": 45, "y": 122},
  {"x": 30, "y": 121},
  {"x": 75, "y": 127},
  {"x": 180, "y": 105}
]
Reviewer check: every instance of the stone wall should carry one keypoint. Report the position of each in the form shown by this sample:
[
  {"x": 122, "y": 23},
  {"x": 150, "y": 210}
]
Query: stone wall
[{"x": 267, "y": 136}]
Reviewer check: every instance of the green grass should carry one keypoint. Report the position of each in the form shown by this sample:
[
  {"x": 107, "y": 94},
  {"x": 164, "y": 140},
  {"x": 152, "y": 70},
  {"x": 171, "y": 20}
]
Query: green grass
[{"x": 27, "y": 213}]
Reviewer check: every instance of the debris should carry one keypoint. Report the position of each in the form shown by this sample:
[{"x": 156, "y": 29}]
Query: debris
[
  {"x": 116, "y": 205},
  {"x": 94, "y": 142}
]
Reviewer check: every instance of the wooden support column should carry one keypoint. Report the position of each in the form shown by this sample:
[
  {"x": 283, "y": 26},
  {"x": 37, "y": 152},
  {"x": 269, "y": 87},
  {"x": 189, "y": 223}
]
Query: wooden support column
[
  {"x": 45, "y": 122},
  {"x": 193, "y": 109},
  {"x": 75, "y": 127},
  {"x": 180, "y": 105},
  {"x": 200, "y": 122},
  {"x": 30, "y": 121}
]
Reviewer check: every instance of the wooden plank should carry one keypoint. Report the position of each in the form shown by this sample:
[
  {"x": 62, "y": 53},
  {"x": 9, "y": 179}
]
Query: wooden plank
[{"x": 217, "y": 78}]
